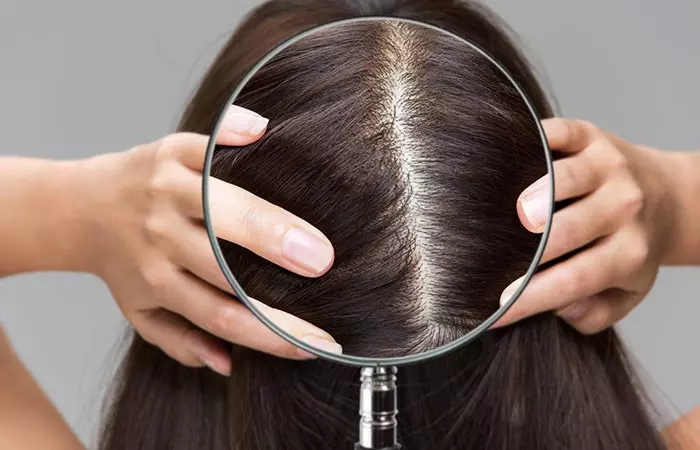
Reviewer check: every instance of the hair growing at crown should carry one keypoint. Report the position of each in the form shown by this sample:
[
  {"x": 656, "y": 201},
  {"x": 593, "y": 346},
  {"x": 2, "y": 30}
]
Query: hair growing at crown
[{"x": 400, "y": 51}]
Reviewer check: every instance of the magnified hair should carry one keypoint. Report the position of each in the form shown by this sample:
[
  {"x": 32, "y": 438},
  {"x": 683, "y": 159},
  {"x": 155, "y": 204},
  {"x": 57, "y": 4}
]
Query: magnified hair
[{"x": 408, "y": 150}]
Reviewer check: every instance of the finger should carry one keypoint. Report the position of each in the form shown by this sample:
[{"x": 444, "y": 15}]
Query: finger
[
  {"x": 247, "y": 220},
  {"x": 239, "y": 127},
  {"x": 594, "y": 216},
  {"x": 569, "y": 135},
  {"x": 187, "y": 246},
  {"x": 639, "y": 272},
  {"x": 179, "y": 340},
  {"x": 642, "y": 281},
  {"x": 263, "y": 228},
  {"x": 574, "y": 177},
  {"x": 580, "y": 276},
  {"x": 601, "y": 311},
  {"x": 227, "y": 318}
]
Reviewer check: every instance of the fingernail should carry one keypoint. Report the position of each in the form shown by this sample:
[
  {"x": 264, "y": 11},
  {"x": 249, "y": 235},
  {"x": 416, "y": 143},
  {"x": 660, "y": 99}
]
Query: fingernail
[
  {"x": 201, "y": 352},
  {"x": 510, "y": 290},
  {"x": 307, "y": 250},
  {"x": 321, "y": 344},
  {"x": 535, "y": 203},
  {"x": 210, "y": 364},
  {"x": 575, "y": 311},
  {"x": 244, "y": 122},
  {"x": 242, "y": 110}
]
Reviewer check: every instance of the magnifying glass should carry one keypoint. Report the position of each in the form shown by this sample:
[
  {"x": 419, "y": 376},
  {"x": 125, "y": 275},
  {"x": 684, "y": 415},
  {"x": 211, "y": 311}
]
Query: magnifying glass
[{"x": 441, "y": 318}]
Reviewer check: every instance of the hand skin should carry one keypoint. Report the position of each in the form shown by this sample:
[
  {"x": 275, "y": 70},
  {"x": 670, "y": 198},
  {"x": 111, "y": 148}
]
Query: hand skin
[
  {"x": 637, "y": 209},
  {"x": 134, "y": 219},
  {"x": 684, "y": 434}
]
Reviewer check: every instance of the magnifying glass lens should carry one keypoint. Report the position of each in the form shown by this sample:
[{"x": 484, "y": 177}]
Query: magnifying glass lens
[{"x": 409, "y": 155}]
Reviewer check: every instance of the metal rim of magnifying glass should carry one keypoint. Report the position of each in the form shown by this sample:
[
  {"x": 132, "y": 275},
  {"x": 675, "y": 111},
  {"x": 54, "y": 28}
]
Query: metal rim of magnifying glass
[{"x": 361, "y": 361}]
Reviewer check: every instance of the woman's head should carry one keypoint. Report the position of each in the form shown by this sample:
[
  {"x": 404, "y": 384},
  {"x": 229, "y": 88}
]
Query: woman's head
[
  {"x": 408, "y": 148},
  {"x": 408, "y": 151}
]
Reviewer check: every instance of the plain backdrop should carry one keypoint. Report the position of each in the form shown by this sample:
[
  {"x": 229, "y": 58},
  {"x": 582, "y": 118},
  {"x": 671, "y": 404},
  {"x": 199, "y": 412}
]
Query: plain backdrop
[{"x": 87, "y": 77}]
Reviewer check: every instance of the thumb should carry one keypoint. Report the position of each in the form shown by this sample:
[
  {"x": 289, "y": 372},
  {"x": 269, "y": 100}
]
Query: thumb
[{"x": 240, "y": 127}]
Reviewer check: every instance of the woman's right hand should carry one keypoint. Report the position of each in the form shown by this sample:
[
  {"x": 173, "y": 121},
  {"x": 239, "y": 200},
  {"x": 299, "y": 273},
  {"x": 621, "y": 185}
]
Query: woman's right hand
[{"x": 150, "y": 247}]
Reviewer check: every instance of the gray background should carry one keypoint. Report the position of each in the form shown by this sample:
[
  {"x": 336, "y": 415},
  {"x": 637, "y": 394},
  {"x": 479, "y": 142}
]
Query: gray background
[{"x": 84, "y": 77}]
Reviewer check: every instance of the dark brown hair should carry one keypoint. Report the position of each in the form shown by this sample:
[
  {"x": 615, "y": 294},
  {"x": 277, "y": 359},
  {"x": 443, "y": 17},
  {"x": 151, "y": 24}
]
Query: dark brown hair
[{"x": 408, "y": 151}]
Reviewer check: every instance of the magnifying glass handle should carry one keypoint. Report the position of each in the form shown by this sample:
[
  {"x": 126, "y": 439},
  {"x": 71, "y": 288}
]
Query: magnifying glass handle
[
  {"x": 378, "y": 409},
  {"x": 394, "y": 447}
]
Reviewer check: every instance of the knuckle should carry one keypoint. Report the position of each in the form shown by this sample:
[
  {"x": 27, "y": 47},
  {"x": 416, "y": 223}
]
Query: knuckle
[
  {"x": 632, "y": 199},
  {"x": 569, "y": 176},
  {"x": 141, "y": 152},
  {"x": 156, "y": 228},
  {"x": 167, "y": 143},
  {"x": 148, "y": 337},
  {"x": 163, "y": 179},
  {"x": 172, "y": 145},
  {"x": 186, "y": 354},
  {"x": 159, "y": 281},
  {"x": 566, "y": 235},
  {"x": 595, "y": 321},
  {"x": 286, "y": 350},
  {"x": 573, "y": 283},
  {"x": 568, "y": 229},
  {"x": 638, "y": 253},
  {"x": 590, "y": 126},
  {"x": 568, "y": 127},
  {"x": 616, "y": 160},
  {"x": 252, "y": 221},
  {"x": 220, "y": 321}
]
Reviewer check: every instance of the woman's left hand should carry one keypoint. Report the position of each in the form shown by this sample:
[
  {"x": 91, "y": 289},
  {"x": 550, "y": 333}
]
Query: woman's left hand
[{"x": 620, "y": 225}]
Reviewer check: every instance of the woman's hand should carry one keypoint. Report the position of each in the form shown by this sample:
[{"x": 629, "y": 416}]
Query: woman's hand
[
  {"x": 621, "y": 225},
  {"x": 152, "y": 250}
]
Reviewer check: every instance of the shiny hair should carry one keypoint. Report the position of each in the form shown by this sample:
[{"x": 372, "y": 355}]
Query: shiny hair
[{"x": 408, "y": 151}]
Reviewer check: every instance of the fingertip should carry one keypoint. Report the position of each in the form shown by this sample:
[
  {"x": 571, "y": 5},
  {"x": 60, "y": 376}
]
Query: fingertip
[
  {"x": 555, "y": 127},
  {"x": 241, "y": 110},
  {"x": 219, "y": 364},
  {"x": 223, "y": 364},
  {"x": 575, "y": 311},
  {"x": 235, "y": 139},
  {"x": 511, "y": 316},
  {"x": 589, "y": 316},
  {"x": 300, "y": 328},
  {"x": 326, "y": 344},
  {"x": 328, "y": 267},
  {"x": 568, "y": 135},
  {"x": 525, "y": 219},
  {"x": 209, "y": 351},
  {"x": 550, "y": 123},
  {"x": 241, "y": 127},
  {"x": 515, "y": 311},
  {"x": 510, "y": 290},
  {"x": 330, "y": 254},
  {"x": 307, "y": 251},
  {"x": 502, "y": 322}
]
